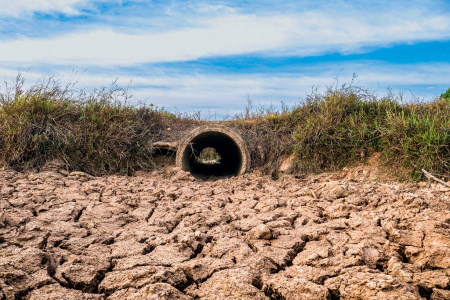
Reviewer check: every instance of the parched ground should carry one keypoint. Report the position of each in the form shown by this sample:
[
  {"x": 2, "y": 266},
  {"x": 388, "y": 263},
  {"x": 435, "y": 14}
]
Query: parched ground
[{"x": 166, "y": 235}]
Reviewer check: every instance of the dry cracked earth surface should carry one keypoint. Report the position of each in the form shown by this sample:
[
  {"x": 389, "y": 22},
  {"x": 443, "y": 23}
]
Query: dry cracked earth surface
[{"x": 166, "y": 235}]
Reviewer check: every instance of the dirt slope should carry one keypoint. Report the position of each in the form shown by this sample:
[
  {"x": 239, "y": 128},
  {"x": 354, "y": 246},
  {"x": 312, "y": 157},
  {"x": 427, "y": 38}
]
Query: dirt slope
[{"x": 168, "y": 236}]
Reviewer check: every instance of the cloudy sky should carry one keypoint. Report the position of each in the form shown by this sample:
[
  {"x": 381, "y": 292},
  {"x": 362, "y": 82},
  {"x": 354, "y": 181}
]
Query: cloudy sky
[{"x": 211, "y": 55}]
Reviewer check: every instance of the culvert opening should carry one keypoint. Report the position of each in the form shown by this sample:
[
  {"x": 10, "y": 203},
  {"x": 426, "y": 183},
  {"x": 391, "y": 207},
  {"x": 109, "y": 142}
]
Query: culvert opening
[
  {"x": 230, "y": 161},
  {"x": 213, "y": 152},
  {"x": 209, "y": 156}
]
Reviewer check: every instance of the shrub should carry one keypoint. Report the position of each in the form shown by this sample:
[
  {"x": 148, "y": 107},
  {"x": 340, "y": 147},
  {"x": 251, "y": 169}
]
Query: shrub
[
  {"x": 344, "y": 126},
  {"x": 446, "y": 95},
  {"x": 341, "y": 127},
  {"x": 337, "y": 129},
  {"x": 98, "y": 132},
  {"x": 418, "y": 136}
]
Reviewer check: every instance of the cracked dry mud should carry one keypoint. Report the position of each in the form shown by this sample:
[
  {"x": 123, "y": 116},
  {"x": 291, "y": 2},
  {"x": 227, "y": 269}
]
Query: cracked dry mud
[{"x": 166, "y": 235}]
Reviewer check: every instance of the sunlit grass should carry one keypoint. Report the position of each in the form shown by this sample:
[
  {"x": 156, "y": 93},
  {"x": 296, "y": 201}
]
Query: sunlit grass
[{"x": 95, "y": 132}]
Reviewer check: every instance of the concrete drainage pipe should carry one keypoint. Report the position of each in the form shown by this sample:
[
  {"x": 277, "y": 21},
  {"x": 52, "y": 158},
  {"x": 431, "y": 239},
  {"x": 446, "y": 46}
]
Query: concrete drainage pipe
[{"x": 213, "y": 151}]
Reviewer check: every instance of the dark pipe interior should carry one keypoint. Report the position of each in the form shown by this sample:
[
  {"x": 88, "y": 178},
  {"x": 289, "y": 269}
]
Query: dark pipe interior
[{"x": 231, "y": 156}]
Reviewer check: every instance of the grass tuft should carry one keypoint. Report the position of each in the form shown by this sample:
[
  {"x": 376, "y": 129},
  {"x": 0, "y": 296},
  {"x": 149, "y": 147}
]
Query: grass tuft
[
  {"x": 96, "y": 132},
  {"x": 345, "y": 125}
]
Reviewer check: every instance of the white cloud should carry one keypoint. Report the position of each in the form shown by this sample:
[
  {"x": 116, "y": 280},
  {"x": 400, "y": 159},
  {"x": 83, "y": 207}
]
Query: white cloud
[
  {"x": 227, "y": 93},
  {"x": 210, "y": 8},
  {"x": 231, "y": 35},
  {"x": 18, "y": 7},
  {"x": 304, "y": 34}
]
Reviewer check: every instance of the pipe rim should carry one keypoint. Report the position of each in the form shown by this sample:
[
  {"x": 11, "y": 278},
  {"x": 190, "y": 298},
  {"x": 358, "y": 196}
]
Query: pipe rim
[{"x": 230, "y": 133}]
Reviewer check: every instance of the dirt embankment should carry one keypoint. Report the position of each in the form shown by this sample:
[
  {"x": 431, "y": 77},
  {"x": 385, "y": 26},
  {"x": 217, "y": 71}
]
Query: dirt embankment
[{"x": 167, "y": 235}]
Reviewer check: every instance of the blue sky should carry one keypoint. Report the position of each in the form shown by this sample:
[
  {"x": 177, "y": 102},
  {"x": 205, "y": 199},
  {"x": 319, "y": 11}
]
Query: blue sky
[{"x": 211, "y": 55}]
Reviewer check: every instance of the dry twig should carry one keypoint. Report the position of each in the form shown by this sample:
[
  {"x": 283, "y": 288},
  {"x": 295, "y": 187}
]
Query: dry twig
[{"x": 429, "y": 176}]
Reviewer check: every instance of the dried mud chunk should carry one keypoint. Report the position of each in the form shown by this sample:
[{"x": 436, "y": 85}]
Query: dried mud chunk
[
  {"x": 338, "y": 262},
  {"x": 340, "y": 192},
  {"x": 157, "y": 291},
  {"x": 141, "y": 231},
  {"x": 372, "y": 254},
  {"x": 313, "y": 251},
  {"x": 232, "y": 248},
  {"x": 6, "y": 190},
  {"x": 81, "y": 276},
  {"x": 363, "y": 283},
  {"x": 259, "y": 265},
  {"x": 432, "y": 279},
  {"x": 15, "y": 217},
  {"x": 14, "y": 282},
  {"x": 163, "y": 255},
  {"x": 261, "y": 232},
  {"x": 367, "y": 234},
  {"x": 84, "y": 271},
  {"x": 130, "y": 262},
  {"x": 192, "y": 239},
  {"x": 407, "y": 237},
  {"x": 164, "y": 216},
  {"x": 72, "y": 191},
  {"x": 142, "y": 276},
  {"x": 57, "y": 292},
  {"x": 316, "y": 275},
  {"x": 267, "y": 205},
  {"x": 24, "y": 270},
  {"x": 338, "y": 239},
  {"x": 312, "y": 232},
  {"x": 439, "y": 294},
  {"x": 292, "y": 241},
  {"x": 337, "y": 224},
  {"x": 142, "y": 213},
  {"x": 281, "y": 287},
  {"x": 431, "y": 257},
  {"x": 80, "y": 176},
  {"x": 230, "y": 284},
  {"x": 282, "y": 224},
  {"x": 434, "y": 239},
  {"x": 63, "y": 212},
  {"x": 32, "y": 239},
  {"x": 340, "y": 210},
  {"x": 171, "y": 254},
  {"x": 247, "y": 224},
  {"x": 401, "y": 270},
  {"x": 66, "y": 229},
  {"x": 85, "y": 244},
  {"x": 282, "y": 257},
  {"x": 128, "y": 248},
  {"x": 201, "y": 268},
  {"x": 27, "y": 260},
  {"x": 3, "y": 218},
  {"x": 41, "y": 278},
  {"x": 105, "y": 217}
]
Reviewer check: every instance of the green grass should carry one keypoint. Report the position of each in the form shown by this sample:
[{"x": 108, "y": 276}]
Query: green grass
[
  {"x": 101, "y": 133},
  {"x": 446, "y": 95},
  {"x": 97, "y": 133},
  {"x": 344, "y": 126}
]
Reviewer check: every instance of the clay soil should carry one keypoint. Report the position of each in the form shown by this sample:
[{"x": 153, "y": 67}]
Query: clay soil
[{"x": 166, "y": 235}]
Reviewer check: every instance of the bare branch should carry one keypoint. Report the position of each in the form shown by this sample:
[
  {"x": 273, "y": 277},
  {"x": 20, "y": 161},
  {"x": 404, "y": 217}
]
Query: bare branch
[{"x": 429, "y": 176}]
